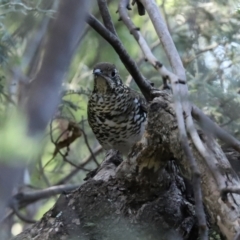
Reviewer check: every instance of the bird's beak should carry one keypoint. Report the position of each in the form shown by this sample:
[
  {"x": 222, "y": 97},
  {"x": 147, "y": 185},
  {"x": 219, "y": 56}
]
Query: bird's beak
[{"x": 98, "y": 74}]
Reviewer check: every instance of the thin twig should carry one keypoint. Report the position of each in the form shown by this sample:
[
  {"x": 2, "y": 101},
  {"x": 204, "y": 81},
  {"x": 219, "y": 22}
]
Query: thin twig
[
  {"x": 65, "y": 159},
  {"x": 42, "y": 173},
  {"x": 228, "y": 122},
  {"x": 85, "y": 161},
  {"x": 57, "y": 148},
  {"x": 88, "y": 145},
  {"x": 15, "y": 209}
]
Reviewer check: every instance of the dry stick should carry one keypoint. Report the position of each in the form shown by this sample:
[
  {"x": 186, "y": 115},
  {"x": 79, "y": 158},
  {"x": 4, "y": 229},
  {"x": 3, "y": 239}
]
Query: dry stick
[
  {"x": 55, "y": 142},
  {"x": 143, "y": 84},
  {"x": 107, "y": 20},
  {"x": 165, "y": 37},
  {"x": 42, "y": 173},
  {"x": 205, "y": 153},
  {"x": 176, "y": 63}
]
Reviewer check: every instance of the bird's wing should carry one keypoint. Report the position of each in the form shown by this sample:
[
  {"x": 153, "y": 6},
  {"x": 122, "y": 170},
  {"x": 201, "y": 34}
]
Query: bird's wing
[{"x": 141, "y": 99}]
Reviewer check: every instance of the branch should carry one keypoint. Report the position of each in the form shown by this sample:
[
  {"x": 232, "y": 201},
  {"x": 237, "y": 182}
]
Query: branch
[
  {"x": 140, "y": 208},
  {"x": 143, "y": 84},
  {"x": 209, "y": 126},
  {"x": 107, "y": 20},
  {"x": 21, "y": 200},
  {"x": 227, "y": 190},
  {"x": 20, "y": 215},
  {"x": 165, "y": 37},
  {"x": 237, "y": 236}
]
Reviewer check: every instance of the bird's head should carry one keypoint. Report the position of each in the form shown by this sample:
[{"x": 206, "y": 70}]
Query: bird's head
[{"x": 106, "y": 77}]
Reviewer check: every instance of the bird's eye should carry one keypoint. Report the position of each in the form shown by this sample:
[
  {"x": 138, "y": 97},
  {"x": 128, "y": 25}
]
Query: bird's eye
[{"x": 113, "y": 73}]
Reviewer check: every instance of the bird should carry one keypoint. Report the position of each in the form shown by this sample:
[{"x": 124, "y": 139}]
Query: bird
[{"x": 117, "y": 114}]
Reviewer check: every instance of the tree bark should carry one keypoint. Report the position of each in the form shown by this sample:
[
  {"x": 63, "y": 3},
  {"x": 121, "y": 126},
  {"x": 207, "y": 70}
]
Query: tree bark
[
  {"x": 121, "y": 209},
  {"x": 147, "y": 196}
]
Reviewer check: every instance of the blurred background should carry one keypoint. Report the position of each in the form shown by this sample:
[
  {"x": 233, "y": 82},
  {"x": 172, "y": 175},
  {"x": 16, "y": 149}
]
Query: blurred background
[{"x": 206, "y": 34}]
